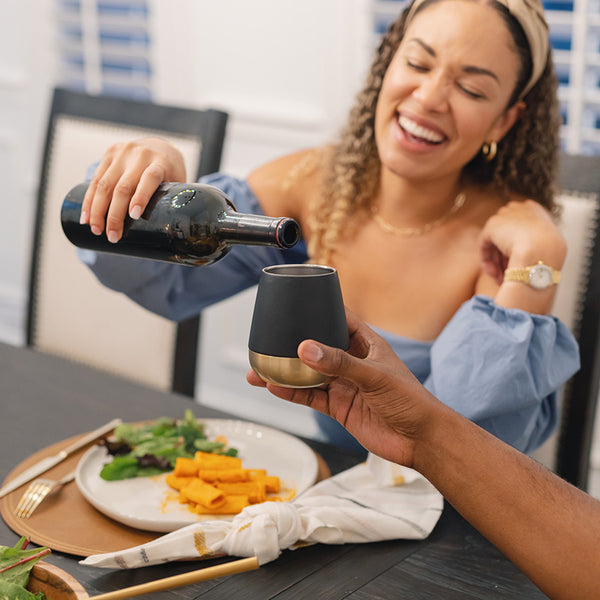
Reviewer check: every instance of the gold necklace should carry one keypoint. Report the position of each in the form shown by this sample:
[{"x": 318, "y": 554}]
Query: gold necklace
[{"x": 412, "y": 231}]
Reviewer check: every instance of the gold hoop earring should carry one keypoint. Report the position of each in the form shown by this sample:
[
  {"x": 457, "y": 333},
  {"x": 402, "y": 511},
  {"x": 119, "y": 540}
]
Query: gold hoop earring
[{"x": 489, "y": 150}]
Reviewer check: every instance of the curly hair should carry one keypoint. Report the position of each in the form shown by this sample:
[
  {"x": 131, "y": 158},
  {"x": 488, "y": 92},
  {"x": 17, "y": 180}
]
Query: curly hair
[{"x": 525, "y": 163}]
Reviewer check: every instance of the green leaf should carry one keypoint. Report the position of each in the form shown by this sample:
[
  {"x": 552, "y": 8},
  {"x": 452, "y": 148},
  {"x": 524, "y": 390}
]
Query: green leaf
[
  {"x": 163, "y": 438},
  {"x": 15, "y": 568},
  {"x": 121, "y": 467},
  {"x": 12, "y": 591},
  {"x": 162, "y": 426},
  {"x": 230, "y": 452},
  {"x": 190, "y": 430},
  {"x": 208, "y": 446}
]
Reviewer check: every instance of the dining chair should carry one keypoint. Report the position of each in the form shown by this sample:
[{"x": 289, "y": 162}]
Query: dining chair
[
  {"x": 577, "y": 304},
  {"x": 70, "y": 313}
]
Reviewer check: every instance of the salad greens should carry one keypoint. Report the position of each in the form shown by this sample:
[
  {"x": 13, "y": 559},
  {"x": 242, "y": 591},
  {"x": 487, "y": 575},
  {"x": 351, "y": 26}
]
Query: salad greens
[
  {"x": 15, "y": 566},
  {"x": 153, "y": 448}
]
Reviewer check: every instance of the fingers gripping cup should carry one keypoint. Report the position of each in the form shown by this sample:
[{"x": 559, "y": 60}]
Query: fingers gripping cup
[{"x": 295, "y": 303}]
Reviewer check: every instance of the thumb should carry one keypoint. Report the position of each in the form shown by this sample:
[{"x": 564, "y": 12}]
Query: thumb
[{"x": 336, "y": 363}]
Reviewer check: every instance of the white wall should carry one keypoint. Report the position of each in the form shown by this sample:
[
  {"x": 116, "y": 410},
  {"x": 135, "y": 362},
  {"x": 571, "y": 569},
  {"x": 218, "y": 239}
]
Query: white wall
[
  {"x": 285, "y": 70},
  {"x": 26, "y": 69}
]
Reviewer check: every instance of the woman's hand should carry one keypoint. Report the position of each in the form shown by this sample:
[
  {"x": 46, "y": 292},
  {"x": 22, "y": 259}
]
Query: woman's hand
[
  {"x": 372, "y": 394},
  {"x": 125, "y": 180},
  {"x": 518, "y": 235}
]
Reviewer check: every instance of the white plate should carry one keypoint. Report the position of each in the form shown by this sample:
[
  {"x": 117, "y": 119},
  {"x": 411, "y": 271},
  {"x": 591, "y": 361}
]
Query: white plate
[{"x": 149, "y": 503}]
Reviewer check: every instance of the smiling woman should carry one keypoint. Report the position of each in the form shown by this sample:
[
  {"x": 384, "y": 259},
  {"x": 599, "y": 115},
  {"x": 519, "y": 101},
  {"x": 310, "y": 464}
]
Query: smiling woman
[{"x": 441, "y": 180}]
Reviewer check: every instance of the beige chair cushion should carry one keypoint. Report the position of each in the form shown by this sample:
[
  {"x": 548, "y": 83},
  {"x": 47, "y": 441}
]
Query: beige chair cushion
[
  {"x": 579, "y": 215},
  {"x": 76, "y": 316}
]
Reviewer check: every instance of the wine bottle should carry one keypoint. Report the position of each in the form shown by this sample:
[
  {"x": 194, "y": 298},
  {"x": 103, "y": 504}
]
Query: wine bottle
[{"x": 186, "y": 223}]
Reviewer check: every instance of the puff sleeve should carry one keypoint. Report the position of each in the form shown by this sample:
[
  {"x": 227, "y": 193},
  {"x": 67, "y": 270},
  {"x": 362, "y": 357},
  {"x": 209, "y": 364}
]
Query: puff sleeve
[{"x": 502, "y": 369}]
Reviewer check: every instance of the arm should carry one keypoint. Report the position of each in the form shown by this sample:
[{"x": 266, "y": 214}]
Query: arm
[
  {"x": 519, "y": 235},
  {"x": 549, "y": 529},
  {"x": 500, "y": 362},
  {"x": 123, "y": 183},
  {"x": 129, "y": 173},
  {"x": 178, "y": 292}
]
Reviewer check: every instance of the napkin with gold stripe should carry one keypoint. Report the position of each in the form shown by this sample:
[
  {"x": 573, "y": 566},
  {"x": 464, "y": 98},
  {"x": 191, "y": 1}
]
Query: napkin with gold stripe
[{"x": 370, "y": 502}]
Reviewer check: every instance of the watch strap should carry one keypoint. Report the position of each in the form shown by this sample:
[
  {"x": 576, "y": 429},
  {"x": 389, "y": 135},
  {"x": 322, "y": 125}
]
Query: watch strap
[{"x": 522, "y": 274}]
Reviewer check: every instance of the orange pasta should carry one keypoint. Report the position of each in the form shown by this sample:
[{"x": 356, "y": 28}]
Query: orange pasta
[
  {"x": 217, "y": 484},
  {"x": 185, "y": 467},
  {"x": 255, "y": 490},
  {"x": 271, "y": 481},
  {"x": 177, "y": 482},
  {"x": 232, "y": 506},
  {"x": 272, "y": 484},
  {"x": 203, "y": 493},
  {"x": 225, "y": 475},
  {"x": 208, "y": 460}
]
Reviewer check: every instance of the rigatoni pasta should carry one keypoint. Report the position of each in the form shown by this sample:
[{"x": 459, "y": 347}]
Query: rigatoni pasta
[
  {"x": 208, "y": 460},
  {"x": 228, "y": 475},
  {"x": 217, "y": 484},
  {"x": 203, "y": 493},
  {"x": 232, "y": 506}
]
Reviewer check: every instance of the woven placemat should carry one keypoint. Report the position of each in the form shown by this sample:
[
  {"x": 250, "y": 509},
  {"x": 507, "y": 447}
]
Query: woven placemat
[{"x": 66, "y": 522}]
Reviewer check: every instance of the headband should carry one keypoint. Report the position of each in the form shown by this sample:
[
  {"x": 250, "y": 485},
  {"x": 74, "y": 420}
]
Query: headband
[{"x": 530, "y": 15}]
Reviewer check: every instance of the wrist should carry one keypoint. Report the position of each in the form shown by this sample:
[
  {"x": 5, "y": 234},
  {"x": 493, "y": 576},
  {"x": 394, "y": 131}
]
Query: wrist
[
  {"x": 530, "y": 279},
  {"x": 434, "y": 438},
  {"x": 452, "y": 453},
  {"x": 539, "y": 276}
]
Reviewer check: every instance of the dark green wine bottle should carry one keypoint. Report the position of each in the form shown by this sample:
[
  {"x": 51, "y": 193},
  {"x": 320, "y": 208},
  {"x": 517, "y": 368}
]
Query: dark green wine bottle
[{"x": 186, "y": 223}]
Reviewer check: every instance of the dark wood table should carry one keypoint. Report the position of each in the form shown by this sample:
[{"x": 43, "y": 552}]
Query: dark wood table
[{"x": 45, "y": 399}]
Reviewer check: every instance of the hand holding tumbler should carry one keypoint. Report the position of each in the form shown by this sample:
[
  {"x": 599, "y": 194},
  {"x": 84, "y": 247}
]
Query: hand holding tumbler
[{"x": 295, "y": 303}]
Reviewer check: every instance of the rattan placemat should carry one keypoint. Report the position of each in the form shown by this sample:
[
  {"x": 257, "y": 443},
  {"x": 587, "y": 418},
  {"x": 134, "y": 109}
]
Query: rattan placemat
[{"x": 66, "y": 522}]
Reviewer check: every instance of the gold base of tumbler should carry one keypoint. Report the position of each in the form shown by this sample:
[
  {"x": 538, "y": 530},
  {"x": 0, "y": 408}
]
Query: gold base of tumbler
[{"x": 284, "y": 371}]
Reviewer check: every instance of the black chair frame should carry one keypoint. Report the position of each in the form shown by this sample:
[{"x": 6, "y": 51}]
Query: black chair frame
[
  {"x": 209, "y": 125},
  {"x": 582, "y": 174}
]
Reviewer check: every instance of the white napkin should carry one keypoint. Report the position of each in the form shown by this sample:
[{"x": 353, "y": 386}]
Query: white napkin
[{"x": 370, "y": 502}]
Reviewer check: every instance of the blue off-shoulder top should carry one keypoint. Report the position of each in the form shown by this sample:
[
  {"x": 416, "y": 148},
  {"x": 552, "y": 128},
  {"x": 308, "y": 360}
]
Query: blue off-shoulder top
[{"x": 500, "y": 367}]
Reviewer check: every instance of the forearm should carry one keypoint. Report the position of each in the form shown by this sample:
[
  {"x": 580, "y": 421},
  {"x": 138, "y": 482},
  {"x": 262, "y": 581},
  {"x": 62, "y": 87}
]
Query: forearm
[
  {"x": 548, "y": 528},
  {"x": 519, "y": 235}
]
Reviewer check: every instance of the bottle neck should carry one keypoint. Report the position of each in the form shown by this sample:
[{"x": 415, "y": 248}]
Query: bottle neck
[{"x": 238, "y": 228}]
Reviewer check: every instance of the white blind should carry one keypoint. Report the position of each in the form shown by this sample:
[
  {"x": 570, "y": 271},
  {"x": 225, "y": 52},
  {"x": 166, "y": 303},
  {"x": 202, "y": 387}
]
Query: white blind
[{"x": 105, "y": 47}]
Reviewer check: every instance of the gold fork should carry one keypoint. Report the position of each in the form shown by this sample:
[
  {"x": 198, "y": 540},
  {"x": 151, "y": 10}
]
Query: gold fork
[{"x": 36, "y": 492}]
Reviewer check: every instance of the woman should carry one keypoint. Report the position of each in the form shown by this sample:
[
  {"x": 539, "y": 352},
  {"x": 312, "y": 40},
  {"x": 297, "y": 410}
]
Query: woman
[{"x": 433, "y": 206}]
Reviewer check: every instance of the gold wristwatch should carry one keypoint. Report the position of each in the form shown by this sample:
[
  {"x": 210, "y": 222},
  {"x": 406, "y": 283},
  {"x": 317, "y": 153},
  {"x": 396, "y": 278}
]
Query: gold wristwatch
[{"x": 538, "y": 276}]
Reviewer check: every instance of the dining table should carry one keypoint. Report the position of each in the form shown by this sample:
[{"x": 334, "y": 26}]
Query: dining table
[{"x": 46, "y": 399}]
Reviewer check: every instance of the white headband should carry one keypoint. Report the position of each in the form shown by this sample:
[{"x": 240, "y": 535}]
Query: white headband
[{"x": 530, "y": 15}]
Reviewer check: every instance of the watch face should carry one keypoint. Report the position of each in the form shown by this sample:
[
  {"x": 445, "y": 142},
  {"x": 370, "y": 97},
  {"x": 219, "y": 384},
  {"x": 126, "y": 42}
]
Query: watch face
[{"x": 540, "y": 277}]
